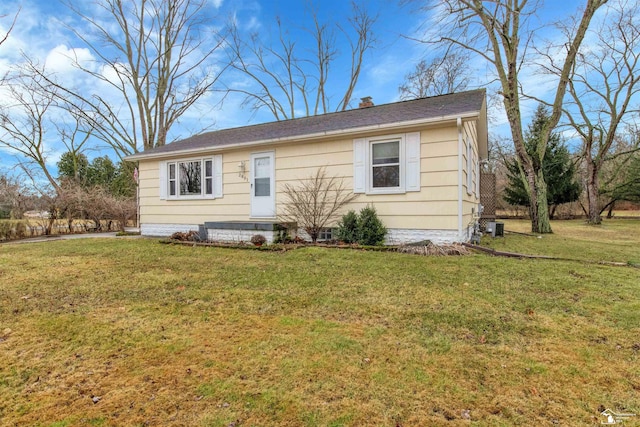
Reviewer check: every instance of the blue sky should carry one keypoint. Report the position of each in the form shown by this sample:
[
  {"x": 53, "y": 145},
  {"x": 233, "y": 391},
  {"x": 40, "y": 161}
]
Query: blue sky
[{"x": 40, "y": 34}]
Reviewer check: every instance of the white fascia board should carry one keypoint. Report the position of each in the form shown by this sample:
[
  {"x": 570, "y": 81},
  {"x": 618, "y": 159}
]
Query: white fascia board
[{"x": 304, "y": 137}]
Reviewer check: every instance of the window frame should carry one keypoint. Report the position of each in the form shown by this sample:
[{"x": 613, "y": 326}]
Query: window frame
[
  {"x": 370, "y": 142},
  {"x": 171, "y": 180},
  {"x": 203, "y": 178},
  {"x": 206, "y": 177},
  {"x": 326, "y": 233}
]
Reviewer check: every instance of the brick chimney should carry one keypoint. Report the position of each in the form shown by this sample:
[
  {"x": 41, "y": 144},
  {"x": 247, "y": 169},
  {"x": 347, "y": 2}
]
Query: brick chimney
[{"x": 365, "y": 102}]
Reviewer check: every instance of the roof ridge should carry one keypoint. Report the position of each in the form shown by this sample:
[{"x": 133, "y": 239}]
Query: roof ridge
[
  {"x": 330, "y": 113},
  {"x": 380, "y": 116}
]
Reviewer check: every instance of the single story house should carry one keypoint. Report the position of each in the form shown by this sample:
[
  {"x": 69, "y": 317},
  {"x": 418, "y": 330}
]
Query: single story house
[{"x": 417, "y": 162}]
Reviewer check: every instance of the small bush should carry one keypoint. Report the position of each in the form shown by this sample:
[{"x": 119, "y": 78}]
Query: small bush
[
  {"x": 315, "y": 202},
  {"x": 20, "y": 230},
  {"x": 371, "y": 231},
  {"x": 191, "y": 236},
  {"x": 282, "y": 237},
  {"x": 258, "y": 239},
  {"x": 348, "y": 228},
  {"x": 364, "y": 228},
  {"x": 5, "y": 230}
]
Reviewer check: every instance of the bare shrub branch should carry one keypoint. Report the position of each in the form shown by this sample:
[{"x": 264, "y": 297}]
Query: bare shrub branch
[{"x": 315, "y": 202}]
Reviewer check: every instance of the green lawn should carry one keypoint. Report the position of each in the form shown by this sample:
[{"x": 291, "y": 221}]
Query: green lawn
[
  {"x": 614, "y": 241},
  {"x": 196, "y": 336}
]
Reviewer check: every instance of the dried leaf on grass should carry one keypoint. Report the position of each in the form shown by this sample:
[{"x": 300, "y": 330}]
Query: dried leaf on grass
[{"x": 434, "y": 250}]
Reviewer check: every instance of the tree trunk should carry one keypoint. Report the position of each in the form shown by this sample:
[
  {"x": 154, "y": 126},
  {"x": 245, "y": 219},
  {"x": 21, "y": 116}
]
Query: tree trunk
[
  {"x": 584, "y": 210},
  {"x": 542, "y": 225},
  {"x": 592, "y": 194},
  {"x": 534, "y": 180},
  {"x": 538, "y": 208},
  {"x": 610, "y": 211}
]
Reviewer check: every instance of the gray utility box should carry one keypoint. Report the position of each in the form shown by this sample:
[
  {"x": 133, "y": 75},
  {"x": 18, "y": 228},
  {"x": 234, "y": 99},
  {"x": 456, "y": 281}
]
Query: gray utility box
[{"x": 495, "y": 228}]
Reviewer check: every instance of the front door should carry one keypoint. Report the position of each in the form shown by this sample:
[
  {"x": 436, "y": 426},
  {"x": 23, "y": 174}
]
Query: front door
[{"x": 263, "y": 198}]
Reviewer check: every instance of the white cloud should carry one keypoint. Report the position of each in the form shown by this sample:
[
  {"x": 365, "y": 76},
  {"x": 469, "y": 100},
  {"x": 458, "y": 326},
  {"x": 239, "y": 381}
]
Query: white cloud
[
  {"x": 253, "y": 24},
  {"x": 62, "y": 59}
]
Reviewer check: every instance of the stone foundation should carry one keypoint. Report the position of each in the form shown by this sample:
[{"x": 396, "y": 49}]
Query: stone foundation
[{"x": 243, "y": 231}]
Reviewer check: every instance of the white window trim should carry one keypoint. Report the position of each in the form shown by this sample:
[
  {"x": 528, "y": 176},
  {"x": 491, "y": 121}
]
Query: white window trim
[
  {"x": 409, "y": 150},
  {"x": 402, "y": 153},
  {"x": 170, "y": 180},
  {"x": 216, "y": 176}
]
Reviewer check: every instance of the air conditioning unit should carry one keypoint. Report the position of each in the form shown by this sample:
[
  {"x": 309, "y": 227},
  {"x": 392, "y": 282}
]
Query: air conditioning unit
[{"x": 495, "y": 228}]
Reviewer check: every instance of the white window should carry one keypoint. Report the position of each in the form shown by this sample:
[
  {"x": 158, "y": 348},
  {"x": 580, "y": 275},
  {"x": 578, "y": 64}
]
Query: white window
[
  {"x": 173, "y": 181},
  {"x": 387, "y": 164},
  {"x": 191, "y": 179},
  {"x": 208, "y": 177},
  {"x": 325, "y": 234}
]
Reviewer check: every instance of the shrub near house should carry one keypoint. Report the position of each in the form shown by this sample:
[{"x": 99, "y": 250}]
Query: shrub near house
[{"x": 364, "y": 229}]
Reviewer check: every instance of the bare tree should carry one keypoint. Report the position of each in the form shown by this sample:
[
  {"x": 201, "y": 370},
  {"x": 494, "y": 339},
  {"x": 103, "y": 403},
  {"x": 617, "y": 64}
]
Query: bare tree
[
  {"x": 24, "y": 121},
  {"x": 288, "y": 83},
  {"x": 156, "y": 62},
  {"x": 28, "y": 118},
  {"x": 603, "y": 88},
  {"x": 3, "y": 38},
  {"x": 315, "y": 201},
  {"x": 498, "y": 31},
  {"x": 442, "y": 75},
  {"x": 619, "y": 176},
  {"x": 97, "y": 204},
  {"x": 14, "y": 197}
]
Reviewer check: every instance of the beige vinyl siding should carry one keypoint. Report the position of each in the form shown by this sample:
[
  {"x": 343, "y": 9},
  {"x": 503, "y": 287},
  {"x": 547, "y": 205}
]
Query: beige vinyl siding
[{"x": 434, "y": 207}]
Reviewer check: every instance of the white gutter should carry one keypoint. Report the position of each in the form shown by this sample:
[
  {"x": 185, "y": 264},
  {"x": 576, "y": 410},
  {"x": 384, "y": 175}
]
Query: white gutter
[
  {"x": 460, "y": 147},
  {"x": 302, "y": 138}
]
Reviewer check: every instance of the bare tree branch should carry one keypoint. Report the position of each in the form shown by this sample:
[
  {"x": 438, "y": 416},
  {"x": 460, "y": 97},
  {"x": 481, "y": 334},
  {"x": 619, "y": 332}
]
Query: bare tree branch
[
  {"x": 605, "y": 82},
  {"x": 159, "y": 71},
  {"x": 24, "y": 121},
  {"x": 13, "y": 23},
  {"x": 315, "y": 202},
  {"x": 442, "y": 75},
  {"x": 286, "y": 82}
]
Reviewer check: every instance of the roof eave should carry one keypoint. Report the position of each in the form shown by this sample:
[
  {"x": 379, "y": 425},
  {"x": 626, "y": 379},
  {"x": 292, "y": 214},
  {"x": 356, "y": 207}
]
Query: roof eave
[{"x": 304, "y": 137}]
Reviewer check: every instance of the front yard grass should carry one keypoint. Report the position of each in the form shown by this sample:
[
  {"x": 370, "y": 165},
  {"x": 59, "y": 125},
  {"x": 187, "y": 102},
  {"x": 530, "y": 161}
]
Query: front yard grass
[
  {"x": 613, "y": 241},
  {"x": 130, "y": 332}
]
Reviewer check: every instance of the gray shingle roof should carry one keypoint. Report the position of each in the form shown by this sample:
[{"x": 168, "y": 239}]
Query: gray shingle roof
[{"x": 398, "y": 112}]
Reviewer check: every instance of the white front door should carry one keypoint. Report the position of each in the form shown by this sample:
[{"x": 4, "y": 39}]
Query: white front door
[{"x": 263, "y": 197}]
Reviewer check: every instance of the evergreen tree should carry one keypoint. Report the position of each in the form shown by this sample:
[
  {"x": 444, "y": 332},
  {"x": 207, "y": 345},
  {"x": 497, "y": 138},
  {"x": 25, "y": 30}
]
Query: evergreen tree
[
  {"x": 558, "y": 168},
  {"x": 371, "y": 231},
  {"x": 116, "y": 179},
  {"x": 348, "y": 227},
  {"x": 73, "y": 166},
  {"x": 101, "y": 171}
]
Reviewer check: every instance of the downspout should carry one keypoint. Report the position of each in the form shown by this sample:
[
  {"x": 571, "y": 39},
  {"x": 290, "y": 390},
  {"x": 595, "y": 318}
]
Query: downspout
[{"x": 460, "y": 148}]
